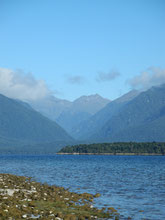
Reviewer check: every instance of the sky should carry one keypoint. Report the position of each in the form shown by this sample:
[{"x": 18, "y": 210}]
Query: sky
[{"x": 70, "y": 48}]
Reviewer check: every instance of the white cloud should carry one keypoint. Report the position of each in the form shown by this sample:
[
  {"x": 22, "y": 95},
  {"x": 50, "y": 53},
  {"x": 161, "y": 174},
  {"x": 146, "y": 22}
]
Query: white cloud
[
  {"x": 18, "y": 85},
  {"x": 151, "y": 77},
  {"x": 104, "y": 77}
]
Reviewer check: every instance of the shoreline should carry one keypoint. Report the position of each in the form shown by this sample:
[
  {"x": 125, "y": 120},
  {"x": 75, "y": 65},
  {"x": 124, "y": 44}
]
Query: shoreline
[
  {"x": 114, "y": 154},
  {"x": 23, "y": 198}
]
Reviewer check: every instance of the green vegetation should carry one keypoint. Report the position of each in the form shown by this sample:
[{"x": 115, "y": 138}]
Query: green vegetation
[
  {"x": 23, "y": 198},
  {"x": 117, "y": 148}
]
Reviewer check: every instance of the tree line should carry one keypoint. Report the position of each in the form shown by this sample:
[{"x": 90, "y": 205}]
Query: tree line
[{"x": 118, "y": 147}]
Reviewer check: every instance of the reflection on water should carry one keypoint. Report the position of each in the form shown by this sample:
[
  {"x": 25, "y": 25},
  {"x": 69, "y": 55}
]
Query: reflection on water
[{"x": 134, "y": 185}]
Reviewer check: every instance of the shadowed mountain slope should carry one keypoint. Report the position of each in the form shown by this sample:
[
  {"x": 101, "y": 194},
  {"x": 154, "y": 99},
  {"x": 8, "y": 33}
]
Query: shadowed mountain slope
[{"x": 20, "y": 122}]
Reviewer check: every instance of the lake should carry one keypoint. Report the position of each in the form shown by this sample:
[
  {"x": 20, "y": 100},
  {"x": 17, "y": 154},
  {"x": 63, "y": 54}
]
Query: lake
[{"x": 134, "y": 185}]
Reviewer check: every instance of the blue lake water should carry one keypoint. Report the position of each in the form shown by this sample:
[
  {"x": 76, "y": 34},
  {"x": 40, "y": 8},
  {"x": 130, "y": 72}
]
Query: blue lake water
[{"x": 134, "y": 185}]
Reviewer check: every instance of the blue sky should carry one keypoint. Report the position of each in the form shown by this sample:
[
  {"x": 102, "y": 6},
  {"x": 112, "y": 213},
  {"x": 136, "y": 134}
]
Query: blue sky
[{"x": 83, "y": 47}]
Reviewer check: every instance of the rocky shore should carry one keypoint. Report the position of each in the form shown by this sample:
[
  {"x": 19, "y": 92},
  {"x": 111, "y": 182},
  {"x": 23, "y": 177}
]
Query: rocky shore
[{"x": 23, "y": 198}]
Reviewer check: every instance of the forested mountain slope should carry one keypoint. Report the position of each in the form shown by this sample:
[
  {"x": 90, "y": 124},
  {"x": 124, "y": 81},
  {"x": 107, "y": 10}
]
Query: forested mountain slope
[{"x": 141, "y": 119}]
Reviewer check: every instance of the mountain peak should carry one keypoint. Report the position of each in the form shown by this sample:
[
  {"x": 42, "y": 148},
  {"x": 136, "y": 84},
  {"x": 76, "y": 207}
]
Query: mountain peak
[{"x": 89, "y": 98}]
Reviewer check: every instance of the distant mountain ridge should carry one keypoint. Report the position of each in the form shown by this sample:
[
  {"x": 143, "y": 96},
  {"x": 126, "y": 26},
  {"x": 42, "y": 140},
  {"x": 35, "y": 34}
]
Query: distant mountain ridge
[
  {"x": 135, "y": 116},
  {"x": 69, "y": 114},
  {"x": 80, "y": 110},
  {"x": 50, "y": 107},
  {"x": 90, "y": 104}
]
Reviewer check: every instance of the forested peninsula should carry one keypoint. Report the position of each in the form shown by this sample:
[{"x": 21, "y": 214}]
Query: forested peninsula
[{"x": 118, "y": 148}]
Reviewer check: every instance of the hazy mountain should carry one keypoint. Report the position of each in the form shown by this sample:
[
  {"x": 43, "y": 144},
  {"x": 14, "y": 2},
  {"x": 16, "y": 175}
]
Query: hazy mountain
[
  {"x": 50, "y": 107},
  {"x": 68, "y": 114},
  {"x": 81, "y": 109},
  {"x": 89, "y": 126},
  {"x": 21, "y": 124},
  {"x": 141, "y": 119},
  {"x": 90, "y": 104}
]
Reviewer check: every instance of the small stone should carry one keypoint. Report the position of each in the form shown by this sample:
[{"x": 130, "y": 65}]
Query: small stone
[
  {"x": 24, "y": 216},
  {"x": 51, "y": 215}
]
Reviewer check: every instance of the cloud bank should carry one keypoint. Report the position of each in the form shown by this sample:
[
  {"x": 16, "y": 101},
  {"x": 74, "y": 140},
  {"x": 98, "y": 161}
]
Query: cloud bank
[
  {"x": 76, "y": 80},
  {"x": 18, "y": 85},
  {"x": 104, "y": 77},
  {"x": 151, "y": 77}
]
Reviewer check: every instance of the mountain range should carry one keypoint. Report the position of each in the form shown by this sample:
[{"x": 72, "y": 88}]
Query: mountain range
[
  {"x": 88, "y": 127},
  {"x": 80, "y": 110},
  {"x": 135, "y": 116},
  {"x": 69, "y": 114}
]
